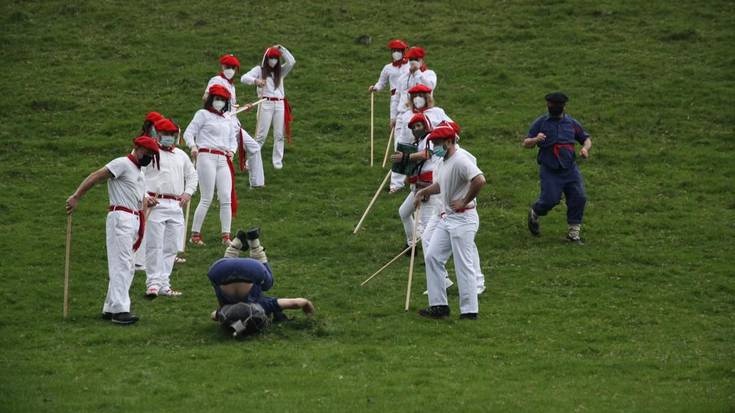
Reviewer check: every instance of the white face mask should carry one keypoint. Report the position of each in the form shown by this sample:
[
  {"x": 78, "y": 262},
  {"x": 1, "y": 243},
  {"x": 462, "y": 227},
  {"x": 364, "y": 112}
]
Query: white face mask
[
  {"x": 415, "y": 64},
  {"x": 167, "y": 140},
  {"x": 272, "y": 62},
  {"x": 397, "y": 56},
  {"x": 229, "y": 73},
  {"x": 218, "y": 104},
  {"x": 419, "y": 102}
]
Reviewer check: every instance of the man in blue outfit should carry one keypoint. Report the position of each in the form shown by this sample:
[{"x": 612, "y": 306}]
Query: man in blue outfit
[
  {"x": 239, "y": 284},
  {"x": 555, "y": 134}
]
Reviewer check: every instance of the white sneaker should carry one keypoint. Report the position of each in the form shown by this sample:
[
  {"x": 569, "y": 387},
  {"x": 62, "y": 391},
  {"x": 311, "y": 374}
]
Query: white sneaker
[
  {"x": 152, "y": 292},
  {"x": 169, "y": 292},
  {"x": 278, "y": 165}
]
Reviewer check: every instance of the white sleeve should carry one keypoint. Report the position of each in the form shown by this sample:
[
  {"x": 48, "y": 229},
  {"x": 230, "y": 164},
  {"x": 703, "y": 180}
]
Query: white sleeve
[
  {"x": 192, "y": 130},
  {"x": 191, "y": 179},
  {"x": 382, "y": 80},
  {"x": 468, "y": 170},
  {"x": 427, "y": 78},
  {"x": 290, "y": 62},
  {"x": 116, "y": 167},
  {"x": 394, "y": 106},
  {"x": 250, "y": 77},
  {"x": 234, "y": 137}
]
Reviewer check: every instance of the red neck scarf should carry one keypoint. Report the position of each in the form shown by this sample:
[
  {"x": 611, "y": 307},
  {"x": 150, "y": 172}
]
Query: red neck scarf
[
  {"x": 134, "y": 160},
  {"x": 211, "y": 109},
  {"x": 169, "y": 149},
  {"x": 399, "y": 63}
]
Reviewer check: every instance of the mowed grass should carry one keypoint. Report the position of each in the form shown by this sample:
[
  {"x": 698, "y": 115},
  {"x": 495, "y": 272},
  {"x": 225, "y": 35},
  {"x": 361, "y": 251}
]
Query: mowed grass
[{"x": 638, "y": 319}]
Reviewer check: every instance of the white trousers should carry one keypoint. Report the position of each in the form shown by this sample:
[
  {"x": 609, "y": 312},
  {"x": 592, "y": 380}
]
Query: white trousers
[
  {"x": 454, "y": 235},
  {"x": 122, "y": 231},
  {"x": 162, "y": 234},
  {"x": 401, "y": 135},
  {"x": 213, "y": 173},
  {"x": 255, "y": 161},
  {"x": 271, "y": 112},
  {"x": 476, "y": 263},
  {"x": 428, "y": 209},
  {"x": 140, "y": 254}
]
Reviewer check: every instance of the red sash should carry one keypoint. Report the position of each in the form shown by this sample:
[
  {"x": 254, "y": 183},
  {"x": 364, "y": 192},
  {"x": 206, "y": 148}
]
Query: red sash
[
  {"x": 287, "y": 118},
  {"x": 141, "y": 222},
  {"x": 233, "y": 194},
  {"x": 559, "y": 146}
]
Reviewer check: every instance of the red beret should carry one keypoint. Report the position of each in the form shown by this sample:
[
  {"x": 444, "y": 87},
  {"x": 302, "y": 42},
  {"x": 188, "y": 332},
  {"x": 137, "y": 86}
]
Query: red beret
[
  {"x": 165, "y": 125},
  {"x": 419, "y": 117},
  {"x": 146, "y": 142},
  {"x": 229, "y": 60},
  {"x": 442, "y": 132},
  {"x": 219, "y": 90},
  {"x": 272, "y": 52},
  {"x": 415, "y": 53},
  {"x": 452, "y": 125},
  {"x": 420, "y": 89},
  {"x": 397, "y": 44},
  {"x": 153, "y": 116}
]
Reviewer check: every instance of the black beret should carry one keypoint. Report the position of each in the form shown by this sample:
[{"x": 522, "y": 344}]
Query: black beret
[{"x": 557, "y": 97}]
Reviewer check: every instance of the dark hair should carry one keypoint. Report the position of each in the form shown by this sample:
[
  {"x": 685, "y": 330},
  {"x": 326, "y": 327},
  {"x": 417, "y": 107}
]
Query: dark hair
[
  {"x": 210, "y": 99},
  {"x": 266, "y": 71},
  {"x": 146, "y": 129}
]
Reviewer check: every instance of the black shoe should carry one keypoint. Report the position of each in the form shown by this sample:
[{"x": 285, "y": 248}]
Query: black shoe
[
  {"x": 124, "y": 318},
  {"x": 468, "y": 316},
  {"x": 437, "y": 312},
  {"x": 533, "y": 224},
  {"x": 241, "y": 236},
  {"x": 106, "y": 316},
  {"x": 253, "y": 233},
  {"x": 575, "y": 240}
]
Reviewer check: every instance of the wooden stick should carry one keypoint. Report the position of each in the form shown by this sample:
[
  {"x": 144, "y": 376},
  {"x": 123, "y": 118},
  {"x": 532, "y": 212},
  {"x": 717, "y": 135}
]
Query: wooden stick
[
  {"x": 387, "y": 148},
  {"x": 380, "y": 188},
  {"x": 256, "y": 103},
  {"x": 186, "y": 219},
  {"x": 385, "y": 266},
  {"x": 372, "y": 124},
  {"x": 67, "y": 257},
  {"x": 413, "y": 255}
]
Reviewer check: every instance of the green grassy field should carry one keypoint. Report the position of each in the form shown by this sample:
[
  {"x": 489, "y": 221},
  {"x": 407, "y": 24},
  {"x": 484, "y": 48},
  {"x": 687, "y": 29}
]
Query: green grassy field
[{"x": 639, "y": 319}]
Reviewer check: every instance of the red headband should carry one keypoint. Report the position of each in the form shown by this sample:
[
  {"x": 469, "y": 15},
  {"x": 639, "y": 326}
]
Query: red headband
[
  {"x": 419, "y": 89},
  {"x": 416, "y": 53},
  {"x": 442, "y": 132},
  {"x": 272, "y": 52},
  {"x": 229, "y": 60},
  {"x": 153, "y": 116},
  {"x": 165, "y": 125},
  {"x": 218, "y": 90},
  {"x": 397, "y": 44}
]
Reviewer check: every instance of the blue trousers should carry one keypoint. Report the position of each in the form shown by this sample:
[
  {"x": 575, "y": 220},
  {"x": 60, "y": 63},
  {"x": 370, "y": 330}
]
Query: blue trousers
[{"x": 553, "y": 184}]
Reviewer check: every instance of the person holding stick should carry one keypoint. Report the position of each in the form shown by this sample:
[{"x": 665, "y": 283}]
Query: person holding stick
[
  {"x": 247, "y": 146},
  {"x": 125, "y": 222},
  {"x": 390, "y": 74},
  {"x": 268, "y": 78},
  {"x": 213, "y": 138},
  {"x": 458, "y": 180},
  {"x": 239, "y": 284},
  {"x": 418, "y": 74},
  {"x": 555, "y": 134},
  {"x": 172, "y": 186}
]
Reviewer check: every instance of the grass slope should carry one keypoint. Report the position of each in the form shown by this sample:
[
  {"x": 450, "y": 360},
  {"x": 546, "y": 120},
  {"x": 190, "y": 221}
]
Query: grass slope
[{"x": 639, "y": 319}]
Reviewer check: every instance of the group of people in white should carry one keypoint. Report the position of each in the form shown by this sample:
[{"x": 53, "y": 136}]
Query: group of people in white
[{"x": 150, "y": 187}]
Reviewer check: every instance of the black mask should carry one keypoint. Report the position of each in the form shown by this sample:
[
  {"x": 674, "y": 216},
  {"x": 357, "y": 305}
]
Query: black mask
[
  {"x": 555, "y": 111},
  {"x": 145, "y": 160},
  {"x": 419, "y": 134}
]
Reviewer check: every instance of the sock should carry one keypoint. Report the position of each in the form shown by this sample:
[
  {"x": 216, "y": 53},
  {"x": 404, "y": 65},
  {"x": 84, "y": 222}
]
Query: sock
[{"x": 233, "y": 250}]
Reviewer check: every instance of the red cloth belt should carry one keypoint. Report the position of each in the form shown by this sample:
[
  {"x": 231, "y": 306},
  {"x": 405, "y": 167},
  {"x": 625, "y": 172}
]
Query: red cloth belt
[
  {"x": 141, "y": 222},
  {"x": 392, "y": 92},
  {"x": 559, "y": 146},
  {"x": 425, "y": 177},
  {"x": 287, "y": 116},
  {"x": 459, "y": 211},
  {"x": 233, "y": 193},
  {"x": 164, "y": 196}
]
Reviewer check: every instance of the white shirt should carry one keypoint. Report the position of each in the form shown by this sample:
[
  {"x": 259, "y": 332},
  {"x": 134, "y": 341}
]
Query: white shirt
[
  {"x": 127, "y": 186},
  {"x": 409, "y": 80},
  {"x": 219, "y": 80},
  {"x": 390, "y": 76},
  {"x": 176, "y": 176},
  {"x": 209, "y": 130},
  {"x": 270, "y": 89},
  {"x": 434, "y": 115},
  {"x": 454, "y": 175}
]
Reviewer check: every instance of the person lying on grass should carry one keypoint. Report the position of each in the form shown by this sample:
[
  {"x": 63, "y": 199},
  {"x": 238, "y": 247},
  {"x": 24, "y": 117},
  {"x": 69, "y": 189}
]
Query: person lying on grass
[{"x": 239, "y": 284}]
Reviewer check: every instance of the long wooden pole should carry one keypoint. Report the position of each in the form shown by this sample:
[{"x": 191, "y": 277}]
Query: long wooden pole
[
  {"x": 413, "y": 256},
  {"x": 372, "y": 127},
  {"x": 186, "y": 219},
  {"x": 67, "y": 257},
  {"x": 387, "y": 148},
  {"x": 380, "y": 188},
  {"x": 385, "y": 266}
]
